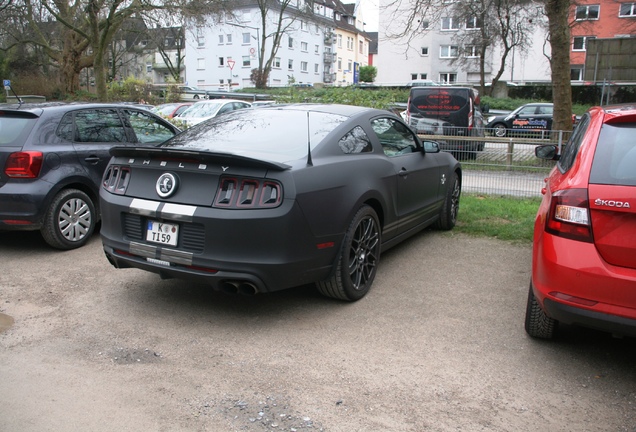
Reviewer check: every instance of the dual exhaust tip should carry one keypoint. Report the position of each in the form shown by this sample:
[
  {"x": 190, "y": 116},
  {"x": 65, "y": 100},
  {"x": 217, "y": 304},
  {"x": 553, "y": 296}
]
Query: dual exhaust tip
[{"x": 238, "y": 287}]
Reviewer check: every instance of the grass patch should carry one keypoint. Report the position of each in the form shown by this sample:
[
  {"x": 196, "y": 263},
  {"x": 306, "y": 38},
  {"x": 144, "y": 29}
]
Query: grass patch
[{"x": 505, "y": 218}]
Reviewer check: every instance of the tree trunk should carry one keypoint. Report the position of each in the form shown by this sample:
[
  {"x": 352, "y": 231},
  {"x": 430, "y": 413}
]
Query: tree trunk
[{"x": 557, "y": 13}]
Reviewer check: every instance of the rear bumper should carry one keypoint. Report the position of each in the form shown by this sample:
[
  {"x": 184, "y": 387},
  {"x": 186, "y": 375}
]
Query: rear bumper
[
  {"x": 576, "y": 286},
  {"x": 22, "y": 204}
]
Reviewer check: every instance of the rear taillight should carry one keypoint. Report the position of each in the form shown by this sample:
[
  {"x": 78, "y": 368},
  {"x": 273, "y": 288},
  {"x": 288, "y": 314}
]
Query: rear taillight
[
  {"x": 251, "y": 193},
  {"x": 569, "y": 215},
  {"x": 26, "y": 164},
  {"x": 116, "y": 179}
]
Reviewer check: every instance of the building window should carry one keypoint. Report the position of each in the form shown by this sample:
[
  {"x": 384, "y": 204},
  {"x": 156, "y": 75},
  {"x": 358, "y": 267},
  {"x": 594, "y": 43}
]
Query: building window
[
  {"x": 246, "y": 38},
  {"x": 450, "y": 23},
  {"x": 303, "y": 25},
  {"x": 228, "y": 38},
  {"x": 589, "y": 12},
  {"x": 349, "y": 43},
  {"x": 221, "y": 61},
  {"x": 627, "y": 10},
  {"x": 303, "y": 66},
  {"x": 423, "y": 76},
  {"x": 448, "y": 51},
  {"x": 580, "y": 43},
  {"x": 148, "y": 67},
  {"x": 290, "y": 64},
  {"x": 246, "y": 61},
  {"x": 276, "y": 62},
  {"x": 290, "y": 42},
  {"x": 448, "y": 78},
  {"x": 339, "y": 63},
  {"x": 317, "y": 49},
  {"x": 471, "y": 51},
  {"x": 221, "y": 39},
  {"x": 339, "y": 37},
  {"x": 200, "y": 37},
  {"x": 361, "y": 47},
  {"x": 472, "y": 23},
  {"x": 425, "y": 24},
  {"x": 304, "y": 47},
  {"x": 200, "y": 63},
  {"x": 576, "y": 73},
  {"x": 316, "y": 68},
  {"x": 424, "y": 51}
]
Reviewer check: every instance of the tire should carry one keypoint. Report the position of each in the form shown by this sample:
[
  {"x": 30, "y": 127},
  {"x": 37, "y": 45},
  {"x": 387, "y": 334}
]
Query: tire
[
  {"x": 538, "y": 324},
  {"x": 358, "y": 260},
  {"x": 499, "y": 130},
  {"x": 450, "y": 208},
  {"x": 70, "y": 220}
]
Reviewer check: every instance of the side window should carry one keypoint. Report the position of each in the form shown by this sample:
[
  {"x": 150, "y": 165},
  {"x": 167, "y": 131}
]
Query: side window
[
  {"x": 572, "y": 148},
  {"x": 147, "y": 128},
  {"x": 65, "y": 128},
  {"x": 355, "y": 141},
  {"x": 226, "y": 108},
  {"x": 99, "y": 125},
  {"x": 396, "y": 139}
]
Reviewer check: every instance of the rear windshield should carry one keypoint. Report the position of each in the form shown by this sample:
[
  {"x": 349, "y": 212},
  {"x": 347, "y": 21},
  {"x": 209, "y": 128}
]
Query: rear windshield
[
  {"x": 615, "y": 156},
  {"x": 271, "y": 134},
  {"x": 431, "y": 102},
  {"x": 15, "y": 127}
]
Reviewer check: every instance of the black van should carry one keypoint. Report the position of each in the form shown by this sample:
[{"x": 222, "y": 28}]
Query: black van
[{"x": 448, "y": 112}]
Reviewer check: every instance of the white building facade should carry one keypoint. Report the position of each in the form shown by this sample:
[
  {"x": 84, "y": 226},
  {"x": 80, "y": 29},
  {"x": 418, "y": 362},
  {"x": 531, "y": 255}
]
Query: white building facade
[{"x": 221, "y": 56}]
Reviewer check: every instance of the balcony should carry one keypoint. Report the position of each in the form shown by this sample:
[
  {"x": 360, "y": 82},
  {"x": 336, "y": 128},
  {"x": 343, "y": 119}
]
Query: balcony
[
  {"x": 329, "y": 77},
  {"x": 329, "y": 57}
]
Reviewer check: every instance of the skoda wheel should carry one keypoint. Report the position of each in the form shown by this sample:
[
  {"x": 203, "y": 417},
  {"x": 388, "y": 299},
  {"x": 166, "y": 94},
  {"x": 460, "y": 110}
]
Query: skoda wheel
[
  {"x": 70, "y": 220},
  {"x": 358, "y": 261}
]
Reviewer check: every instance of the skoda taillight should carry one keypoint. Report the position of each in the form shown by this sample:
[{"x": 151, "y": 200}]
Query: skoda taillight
[
  {"x": 24, "y": 164},
  {"x": 569, "y": 215}
]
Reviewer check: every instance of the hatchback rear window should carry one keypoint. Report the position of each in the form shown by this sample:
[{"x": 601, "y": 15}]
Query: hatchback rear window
[
  {"x": 615, "y": 156},
  {"x": 15, "y": 127}
]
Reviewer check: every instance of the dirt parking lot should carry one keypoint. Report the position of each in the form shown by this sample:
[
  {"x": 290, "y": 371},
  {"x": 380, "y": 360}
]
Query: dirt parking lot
[{"x": 437, "y": 345}]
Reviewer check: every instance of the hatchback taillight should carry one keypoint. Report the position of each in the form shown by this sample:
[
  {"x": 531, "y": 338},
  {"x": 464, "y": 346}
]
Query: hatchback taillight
[
  {"x": 569, "y": 215},
  {"x": 26, "y": 164},
  {"x": 251, "y": 193}
]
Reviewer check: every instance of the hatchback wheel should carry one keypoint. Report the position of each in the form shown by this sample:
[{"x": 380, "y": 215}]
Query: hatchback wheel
[
  {"x": 538, "y": 324},
  {"x": 358, "y": 260},
  {"x": 70, "y": 220}
]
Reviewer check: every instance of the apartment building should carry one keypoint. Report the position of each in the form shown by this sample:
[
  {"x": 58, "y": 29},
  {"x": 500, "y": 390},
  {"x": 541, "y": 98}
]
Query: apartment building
[{"x": 599, "y": 19}]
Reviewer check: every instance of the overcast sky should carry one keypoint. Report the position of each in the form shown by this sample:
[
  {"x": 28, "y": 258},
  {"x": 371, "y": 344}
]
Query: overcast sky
[{"x": 369, "y": 9}]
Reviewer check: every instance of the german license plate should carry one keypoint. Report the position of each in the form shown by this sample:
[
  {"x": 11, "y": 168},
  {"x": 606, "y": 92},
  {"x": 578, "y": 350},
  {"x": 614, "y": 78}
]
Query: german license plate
[{"x": 161, "y": 232}]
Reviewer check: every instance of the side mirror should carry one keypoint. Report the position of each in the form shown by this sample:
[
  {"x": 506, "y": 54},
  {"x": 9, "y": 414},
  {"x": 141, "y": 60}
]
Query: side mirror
[
  {"x": 430, "y": 147},
  {"x": 547, "y": 152},
  {"x": 485, "y": 108}
]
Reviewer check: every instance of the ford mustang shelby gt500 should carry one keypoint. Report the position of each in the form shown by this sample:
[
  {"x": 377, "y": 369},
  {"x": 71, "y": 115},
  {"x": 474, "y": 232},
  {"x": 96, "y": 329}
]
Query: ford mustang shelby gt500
[{"x": 262, "y": 200}]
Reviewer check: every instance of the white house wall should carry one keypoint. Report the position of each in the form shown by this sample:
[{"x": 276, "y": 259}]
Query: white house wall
[{"x": 207, "y": 63}]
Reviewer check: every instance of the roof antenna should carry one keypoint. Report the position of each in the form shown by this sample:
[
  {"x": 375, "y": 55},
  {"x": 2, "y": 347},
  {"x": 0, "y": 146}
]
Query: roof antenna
[
  {"x": 309, "y": 162},
  {"x": 18, "y": 98}
]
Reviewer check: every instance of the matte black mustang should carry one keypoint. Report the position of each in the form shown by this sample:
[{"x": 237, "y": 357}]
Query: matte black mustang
[{"x": 262, "y": 200}]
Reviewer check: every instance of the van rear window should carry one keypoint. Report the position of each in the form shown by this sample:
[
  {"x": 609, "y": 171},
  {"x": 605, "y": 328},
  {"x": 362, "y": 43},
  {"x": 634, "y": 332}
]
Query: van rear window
[{"x": 440, "y": 102}]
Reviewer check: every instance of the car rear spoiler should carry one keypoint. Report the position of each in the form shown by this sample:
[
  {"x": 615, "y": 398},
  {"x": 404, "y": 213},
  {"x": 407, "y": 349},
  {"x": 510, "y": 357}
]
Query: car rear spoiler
[{"x": 224, "y": 158}]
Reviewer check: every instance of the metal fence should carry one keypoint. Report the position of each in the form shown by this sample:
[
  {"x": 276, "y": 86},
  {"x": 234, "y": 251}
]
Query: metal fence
[{"x": 502, "y": 165}]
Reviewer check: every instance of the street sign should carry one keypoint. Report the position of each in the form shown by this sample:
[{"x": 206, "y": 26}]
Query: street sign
[
  {"x": 230, "y": 63},
  {"x": 7, "y": 84}
]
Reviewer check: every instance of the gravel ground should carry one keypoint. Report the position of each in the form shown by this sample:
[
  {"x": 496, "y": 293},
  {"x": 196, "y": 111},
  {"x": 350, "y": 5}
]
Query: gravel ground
[{"x": 437, "y": 345}]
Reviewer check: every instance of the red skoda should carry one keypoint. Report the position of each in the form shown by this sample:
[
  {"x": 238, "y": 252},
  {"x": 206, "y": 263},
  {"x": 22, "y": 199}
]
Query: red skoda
[{"x": 584, "y": 253}]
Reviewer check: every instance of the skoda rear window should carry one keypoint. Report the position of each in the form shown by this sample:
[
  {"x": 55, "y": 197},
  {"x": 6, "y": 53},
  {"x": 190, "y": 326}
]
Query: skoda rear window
[
  {"x": 615, "y": 156},
  {"x": 15, "y": 127},
  {"x": 433, "y": 102}
]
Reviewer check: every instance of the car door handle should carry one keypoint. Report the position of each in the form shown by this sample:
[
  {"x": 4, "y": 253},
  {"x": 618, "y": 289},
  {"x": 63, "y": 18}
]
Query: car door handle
[
  {"x": 93, "y": 160},
  {"x": 403, "y": 172}
]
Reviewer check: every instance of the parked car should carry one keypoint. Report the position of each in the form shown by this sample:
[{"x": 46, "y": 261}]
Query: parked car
[
  {"x": 53, "y": 156},
  {"x": 189, "y": 93},
  {"x": 267, "y": 199},
  {"x": 584, "y": 250},
  {"x": 207, "y": 109},
  {"x": 171, "y": 110},
  {"x": 532, "y": 117},
  {"x": 448, "y": 111}
]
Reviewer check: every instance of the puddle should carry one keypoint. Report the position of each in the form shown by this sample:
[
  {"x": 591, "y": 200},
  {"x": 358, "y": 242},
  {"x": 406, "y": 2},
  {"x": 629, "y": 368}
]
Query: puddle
[{"x": 5, "y": 322}]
